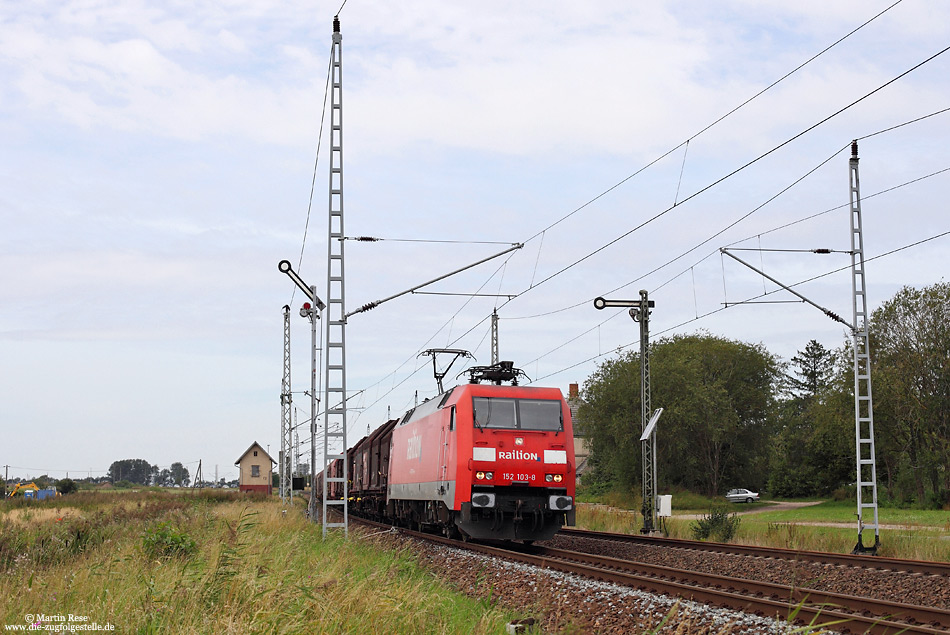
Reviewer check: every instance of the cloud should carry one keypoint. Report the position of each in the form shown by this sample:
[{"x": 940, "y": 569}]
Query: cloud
[{"x": 158, "y": 161}]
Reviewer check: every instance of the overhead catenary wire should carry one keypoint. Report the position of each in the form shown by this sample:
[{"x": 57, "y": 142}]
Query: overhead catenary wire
[
  {"x": 698, "y": 316},
  {"x": 714, "y": 252},
  {"x": 741, "y": 218},
  {"x": 713, "y": 184},
  {"x": 704, "y": 241},
  {"x": 374, "y": 239},
  {"x": 316, "y": 163},
  {"x": 720, "y": 119},
  {"x": 738, "y": 170},
  {"x": 807, "y": 218},
  {"x": 414, "y": 357},
  {"x": 703, "y": 130},
  {"x": 679, "y": 325}
]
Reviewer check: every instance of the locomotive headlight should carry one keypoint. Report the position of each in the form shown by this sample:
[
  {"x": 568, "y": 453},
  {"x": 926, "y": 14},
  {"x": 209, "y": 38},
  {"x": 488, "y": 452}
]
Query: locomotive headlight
[
  {"x": 480, "y": 476},
  {"x": 558, "y": 478},
  {"x": 519, "y": 440},
  {"x": 489, "y": 476},
  {"x": 548, "y": 477}
]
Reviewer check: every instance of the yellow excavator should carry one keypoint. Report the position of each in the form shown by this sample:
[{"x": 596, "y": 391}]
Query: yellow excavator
[{"x": 29, "y": 490}]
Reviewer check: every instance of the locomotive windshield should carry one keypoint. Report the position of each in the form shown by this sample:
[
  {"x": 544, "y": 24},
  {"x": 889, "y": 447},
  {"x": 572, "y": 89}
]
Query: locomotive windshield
[{"x": 518, "y": 414}]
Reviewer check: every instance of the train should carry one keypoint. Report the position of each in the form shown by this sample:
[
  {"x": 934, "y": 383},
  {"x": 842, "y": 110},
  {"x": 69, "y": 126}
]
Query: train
[{"x": 479, "y": 461}]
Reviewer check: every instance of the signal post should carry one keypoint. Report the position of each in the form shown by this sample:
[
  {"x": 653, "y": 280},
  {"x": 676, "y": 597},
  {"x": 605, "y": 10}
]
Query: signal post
[{"x": 640, "y": 312}]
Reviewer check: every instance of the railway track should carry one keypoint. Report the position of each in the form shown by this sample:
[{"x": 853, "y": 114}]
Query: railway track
[
  {"x": 838, "y": 611},
  {"x": 868, "y": 562}
]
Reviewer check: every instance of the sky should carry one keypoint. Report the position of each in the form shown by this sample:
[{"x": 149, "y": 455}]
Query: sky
[{"x": 157, "y": 160}]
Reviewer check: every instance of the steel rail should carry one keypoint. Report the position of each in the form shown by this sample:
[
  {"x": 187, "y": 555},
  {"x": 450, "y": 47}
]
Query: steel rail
[
  {"x": 841, "y": 559},
  {"x": 733, "y": 593},
  {"x": 805, "y": 597}
]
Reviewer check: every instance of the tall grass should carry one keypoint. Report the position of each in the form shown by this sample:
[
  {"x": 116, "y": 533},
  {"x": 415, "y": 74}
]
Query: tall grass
[{"x": 247, "y": 567}]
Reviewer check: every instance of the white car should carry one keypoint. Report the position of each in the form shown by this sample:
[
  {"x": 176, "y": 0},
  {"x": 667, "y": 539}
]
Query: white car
[{"x": 741, "y": 496}]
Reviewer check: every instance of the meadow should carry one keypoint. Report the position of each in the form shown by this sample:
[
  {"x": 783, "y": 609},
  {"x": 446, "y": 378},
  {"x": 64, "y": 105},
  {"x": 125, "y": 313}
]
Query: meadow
[
  {"x": 824, "y": 526},
  {"x": 213, "y": 562}
]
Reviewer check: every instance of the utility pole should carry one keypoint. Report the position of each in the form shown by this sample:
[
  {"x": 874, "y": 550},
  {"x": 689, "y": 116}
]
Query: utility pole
[
  {"x": 286, "y": 402},
  {"x": 640, "y": 312}
]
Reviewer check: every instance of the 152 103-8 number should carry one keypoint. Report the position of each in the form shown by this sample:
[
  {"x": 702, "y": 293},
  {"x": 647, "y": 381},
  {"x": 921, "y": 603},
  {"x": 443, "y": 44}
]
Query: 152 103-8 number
[{"x": 510, "y": 476}]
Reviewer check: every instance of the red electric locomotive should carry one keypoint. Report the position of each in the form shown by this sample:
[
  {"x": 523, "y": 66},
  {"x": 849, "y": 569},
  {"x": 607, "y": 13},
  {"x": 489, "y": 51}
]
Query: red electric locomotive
[
  {"x": 478, "y": 461},
  {"x": 488, "y": 461}
]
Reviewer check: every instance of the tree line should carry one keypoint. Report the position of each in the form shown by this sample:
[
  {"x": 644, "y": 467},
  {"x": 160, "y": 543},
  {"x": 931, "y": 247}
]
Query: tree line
[
  {"x": 736, "y": 415},
  {"x": 141, "y": 472}
]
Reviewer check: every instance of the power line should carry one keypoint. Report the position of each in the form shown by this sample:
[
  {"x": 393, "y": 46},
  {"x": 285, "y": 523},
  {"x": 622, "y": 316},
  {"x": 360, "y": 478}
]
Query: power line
[
  {"x": 901, "y": 125},
  {"x": 690, "y": 268},
  {"x": 717, "y": 121},
  {"x": 739, "y": 169},
  {"x": 664, "y": 155},
  {"x": 414, "y": 356},
  {"x": 374, "y": 239},
  {"x": 316, "y": 162},
  {"x": 748, "y": 300},
  {"x": 676, "y": 204},
  {"x": 741, "y": 218}
]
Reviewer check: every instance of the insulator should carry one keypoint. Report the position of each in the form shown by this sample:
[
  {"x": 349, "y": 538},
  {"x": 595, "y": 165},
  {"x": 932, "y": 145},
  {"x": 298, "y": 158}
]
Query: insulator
[{"x": 835, "y": 317}]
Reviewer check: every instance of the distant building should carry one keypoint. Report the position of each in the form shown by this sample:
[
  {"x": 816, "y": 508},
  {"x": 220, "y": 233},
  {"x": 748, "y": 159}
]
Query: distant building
[
  {"x": 581, "y": 443},
  {"x": 255, "y": 467}
]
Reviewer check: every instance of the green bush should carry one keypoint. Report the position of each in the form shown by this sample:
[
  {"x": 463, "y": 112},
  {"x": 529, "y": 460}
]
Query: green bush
[
  {"x": 66, "y": 486},
  {"x": 718, "y": 524},
  {"x": 163, "y": 541},
  {"x": 845, "y": 493}
]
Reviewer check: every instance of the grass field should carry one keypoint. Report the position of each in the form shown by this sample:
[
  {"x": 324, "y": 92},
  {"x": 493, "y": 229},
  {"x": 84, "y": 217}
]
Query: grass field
[
  {"x": 826, "y": 526},
  {"x": 174, "y": 563},
  {"x": 216, "y": 562}
]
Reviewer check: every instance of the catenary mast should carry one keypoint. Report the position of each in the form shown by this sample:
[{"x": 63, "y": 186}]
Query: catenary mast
[
  {"x": 334, "y": 418},
  {"x": 286, "y": 429},
  {"x": 866, "y": 484}
]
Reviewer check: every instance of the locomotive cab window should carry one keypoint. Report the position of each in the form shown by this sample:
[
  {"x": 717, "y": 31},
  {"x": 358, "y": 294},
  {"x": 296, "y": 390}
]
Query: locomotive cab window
[{"x": 517, "y": 414}]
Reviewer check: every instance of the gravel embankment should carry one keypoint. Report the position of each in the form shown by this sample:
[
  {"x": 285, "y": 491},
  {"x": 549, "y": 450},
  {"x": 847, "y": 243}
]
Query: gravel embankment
[
  {"x": 566, "y": 603},
  {"x": 923, "y": 590}
]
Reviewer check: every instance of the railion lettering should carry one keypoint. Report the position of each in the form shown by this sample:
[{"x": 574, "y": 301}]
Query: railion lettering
[{"x": 520, "y": 455}]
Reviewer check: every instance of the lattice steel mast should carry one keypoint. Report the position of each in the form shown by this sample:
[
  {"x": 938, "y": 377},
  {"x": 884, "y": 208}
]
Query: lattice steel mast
[
  {"x": 865, "y": 461},
  {"x": 334, "y": 428},
  {"x": 866, "y": 484},
  {"x": 286, "y": 429},
  {"x": 641, "y": 314},
  {"x": 494, "y": 336}
]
